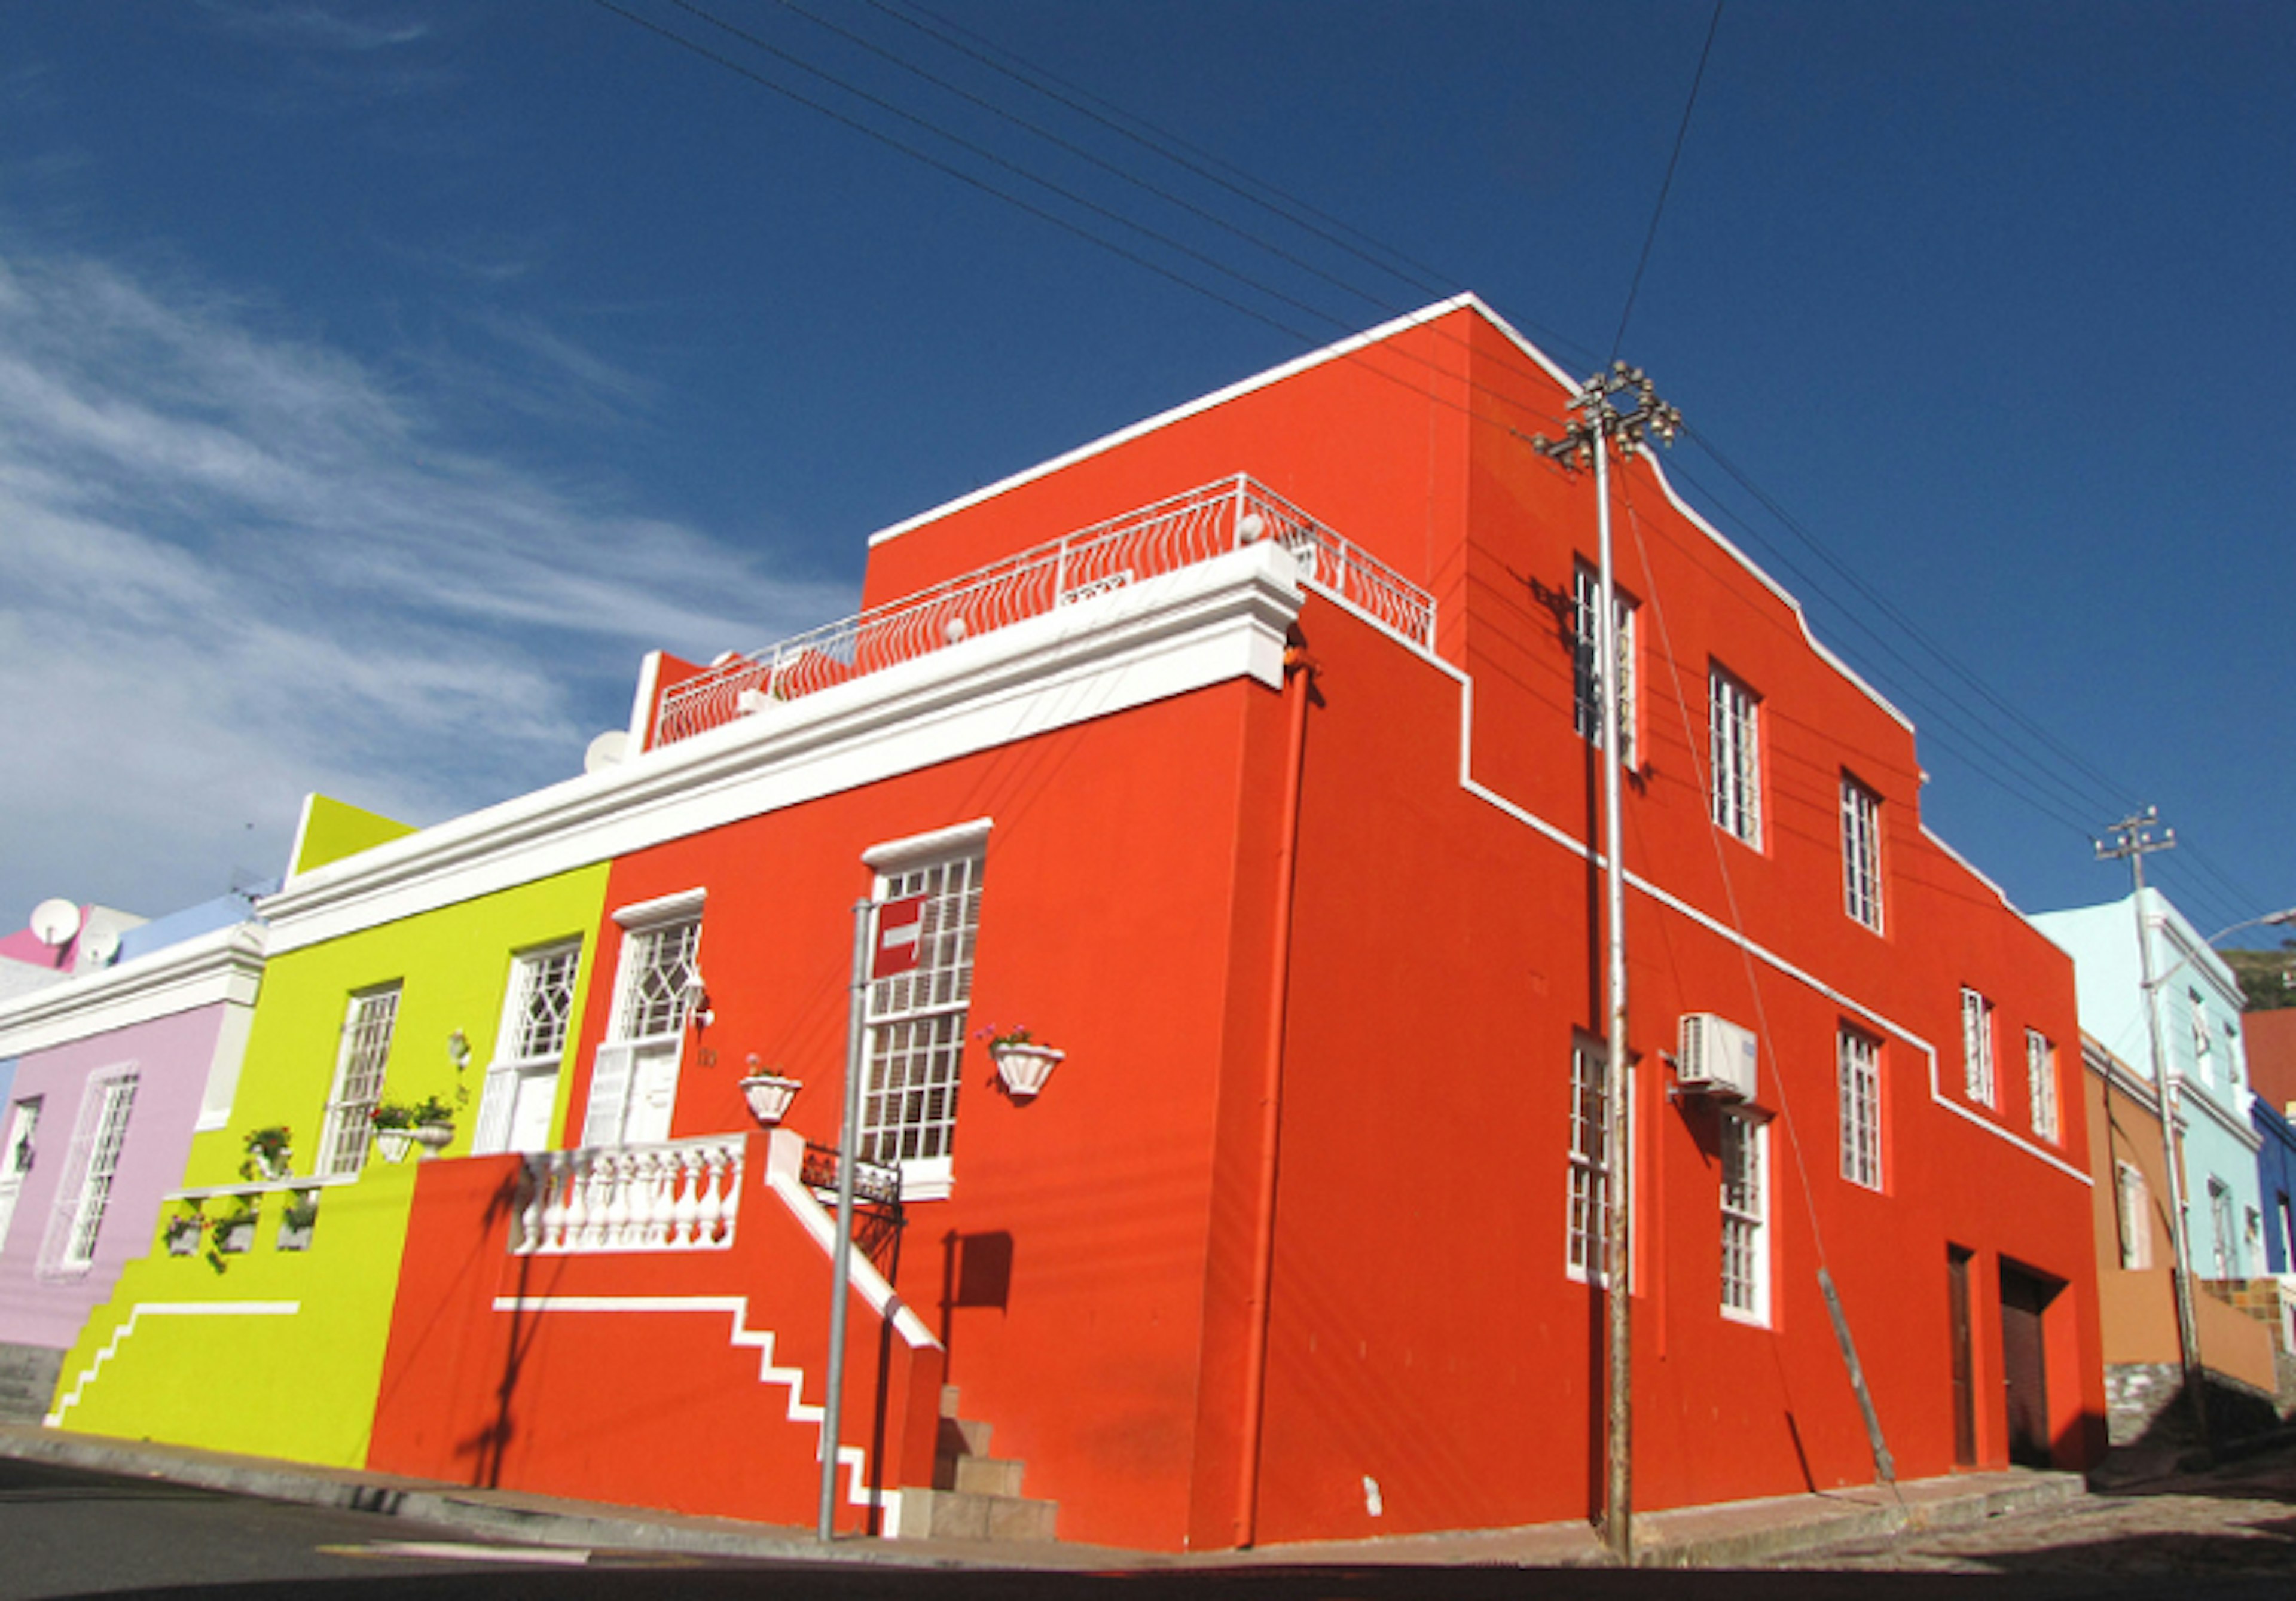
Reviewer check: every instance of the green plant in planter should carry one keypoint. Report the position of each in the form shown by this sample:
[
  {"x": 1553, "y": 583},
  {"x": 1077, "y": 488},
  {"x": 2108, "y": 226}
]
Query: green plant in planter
[
  {"x": 412, "y": 1115},
  {"x": 184, "y": 1226},
  {"x": 239, "y": 1210},
  {"x": 301, "y": 1212},
  {"x": 268, "y": 1153}
]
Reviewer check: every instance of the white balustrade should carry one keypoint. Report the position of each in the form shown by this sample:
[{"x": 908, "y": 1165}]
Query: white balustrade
[
  {"x": 1173, "y": 533},
  {"x": 678, "y": 1196}
]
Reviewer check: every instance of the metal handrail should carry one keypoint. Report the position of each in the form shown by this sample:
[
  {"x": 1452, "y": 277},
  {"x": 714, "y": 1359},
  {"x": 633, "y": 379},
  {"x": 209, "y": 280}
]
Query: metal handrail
[{"x": 1177, "y": 531}]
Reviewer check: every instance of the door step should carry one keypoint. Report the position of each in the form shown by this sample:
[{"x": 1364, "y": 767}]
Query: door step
[{"x": 974, "y": 1496}]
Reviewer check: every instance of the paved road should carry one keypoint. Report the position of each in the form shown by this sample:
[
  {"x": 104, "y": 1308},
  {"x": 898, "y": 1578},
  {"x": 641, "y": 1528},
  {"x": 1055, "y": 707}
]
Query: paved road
[{"x": 2229, "y": 1536}]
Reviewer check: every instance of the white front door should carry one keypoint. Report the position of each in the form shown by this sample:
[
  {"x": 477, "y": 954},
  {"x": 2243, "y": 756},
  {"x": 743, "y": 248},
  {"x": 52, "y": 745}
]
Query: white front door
[{"x": 16, "y": 1158}]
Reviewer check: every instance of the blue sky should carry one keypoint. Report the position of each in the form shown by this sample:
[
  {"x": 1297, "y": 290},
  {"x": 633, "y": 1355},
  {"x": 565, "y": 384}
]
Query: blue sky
[{"x": 379, "y": 381}]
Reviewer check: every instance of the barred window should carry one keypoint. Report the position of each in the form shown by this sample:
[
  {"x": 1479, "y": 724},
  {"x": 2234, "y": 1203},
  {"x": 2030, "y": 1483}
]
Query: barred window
[
  {"x": 360, "y": 1060},
  {"x": 1861, "y": 853},
  {"x": 2136, "y": 1216},
  {"x": 916, "y": 1023},
  {"x": 1861, "y": 1108},
  {"x": 1589, "y": 1235},
  {"x": 1977, "y": 1046},
  {"x": 1745, "y": 1217},
  {"x": 2041, "y": 1082},
  {"x": 96, "y": 1146},
  {"x": 1737, "y": 777},
  {"x": 1587, "y": 676}
]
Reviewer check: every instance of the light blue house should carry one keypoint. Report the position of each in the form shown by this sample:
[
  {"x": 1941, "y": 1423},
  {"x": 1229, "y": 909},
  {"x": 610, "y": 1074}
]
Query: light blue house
[{"x": 2207, "y": 1067}]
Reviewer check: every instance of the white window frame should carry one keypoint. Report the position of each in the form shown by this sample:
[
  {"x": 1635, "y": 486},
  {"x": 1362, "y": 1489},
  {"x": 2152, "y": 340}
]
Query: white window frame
[
  {"x": 1861, "y": 853},
  {"x": 915, "y": 1022},
  {"x": 1586, "y": 680},
  {"x": 17, "y": 1155},
  {"x": 1735, "y": 750},
  {"x": 1858, "y": 1055},
  {"x": 1585, "y": 1226},
  {"x": 1977, "y": 1079},
  {"x": 660, "y": 939},
  {"x": 522, "y": 1060},
  {"x": 2132, "y": 1197},
  {"x": 91, "y": 1168},
  {"x": 361, "y": 1063},
  {"x": 1743, "y": 1150},
  {"x": 2203, "y": 1038},
  {"x": 2041, "y": 1084},
  {"x": 2220, "y": 1225}
]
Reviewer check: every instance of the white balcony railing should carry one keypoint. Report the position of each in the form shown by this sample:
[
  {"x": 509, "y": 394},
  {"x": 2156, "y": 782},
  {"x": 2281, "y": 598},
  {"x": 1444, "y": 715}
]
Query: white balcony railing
[
  {"x": 1177, "y": 532},
  {"x": 678, "y": 1196}
]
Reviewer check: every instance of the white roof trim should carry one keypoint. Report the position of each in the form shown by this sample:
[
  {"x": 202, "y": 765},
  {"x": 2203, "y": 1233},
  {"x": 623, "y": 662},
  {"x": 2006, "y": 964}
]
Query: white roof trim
[{"x": 226, "y": 965}]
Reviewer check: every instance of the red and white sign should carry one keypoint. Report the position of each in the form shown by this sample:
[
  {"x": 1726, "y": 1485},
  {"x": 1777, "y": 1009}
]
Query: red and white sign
[{"x": 900, "y": 936}]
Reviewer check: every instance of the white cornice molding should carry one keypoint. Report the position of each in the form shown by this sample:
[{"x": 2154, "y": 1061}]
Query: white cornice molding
[
  {"x": 222, "y": 967},
  {"x": 1205, "y": 624}
]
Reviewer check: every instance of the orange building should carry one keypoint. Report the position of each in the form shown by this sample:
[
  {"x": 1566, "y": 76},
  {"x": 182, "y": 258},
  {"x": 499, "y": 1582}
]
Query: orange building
[{"x": 1239, "y": 756}]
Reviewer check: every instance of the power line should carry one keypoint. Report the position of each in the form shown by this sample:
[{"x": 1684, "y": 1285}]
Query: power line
[{"x": 1665, "y": 186}]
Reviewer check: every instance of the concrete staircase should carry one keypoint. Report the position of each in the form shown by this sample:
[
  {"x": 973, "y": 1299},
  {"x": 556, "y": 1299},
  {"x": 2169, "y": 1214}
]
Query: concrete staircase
[
  {"x": 28, "y": 1381},
  {"x": 975, "y": 1495}
]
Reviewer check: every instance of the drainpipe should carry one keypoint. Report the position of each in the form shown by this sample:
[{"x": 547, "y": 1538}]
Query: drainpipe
[{"x": 1300, "y": 670}]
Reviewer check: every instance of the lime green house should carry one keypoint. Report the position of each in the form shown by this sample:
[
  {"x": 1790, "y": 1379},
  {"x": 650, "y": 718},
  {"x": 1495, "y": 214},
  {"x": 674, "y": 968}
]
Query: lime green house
[{"x": 257, "y": 1321}]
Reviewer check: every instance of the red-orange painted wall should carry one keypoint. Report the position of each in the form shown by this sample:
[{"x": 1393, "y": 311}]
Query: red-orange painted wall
[{"x": 1422, "y": 1332}]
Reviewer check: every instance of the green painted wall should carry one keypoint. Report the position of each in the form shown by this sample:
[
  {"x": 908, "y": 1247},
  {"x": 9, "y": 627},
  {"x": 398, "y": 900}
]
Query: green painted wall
[{"x": 280, "y": 1354}]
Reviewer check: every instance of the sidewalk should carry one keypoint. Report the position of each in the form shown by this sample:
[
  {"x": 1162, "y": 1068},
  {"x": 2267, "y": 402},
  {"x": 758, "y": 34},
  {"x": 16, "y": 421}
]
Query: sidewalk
[{"x": 1729, "y": 1535}]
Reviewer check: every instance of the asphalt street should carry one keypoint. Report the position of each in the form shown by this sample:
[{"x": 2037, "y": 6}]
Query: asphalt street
[{"x": 2228, "y": 1536}]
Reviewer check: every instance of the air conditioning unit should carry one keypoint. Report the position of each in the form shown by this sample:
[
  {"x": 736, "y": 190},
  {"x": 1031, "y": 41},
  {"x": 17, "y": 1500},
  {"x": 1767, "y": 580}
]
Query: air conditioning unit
[{"x": 1715, "y": 1058}]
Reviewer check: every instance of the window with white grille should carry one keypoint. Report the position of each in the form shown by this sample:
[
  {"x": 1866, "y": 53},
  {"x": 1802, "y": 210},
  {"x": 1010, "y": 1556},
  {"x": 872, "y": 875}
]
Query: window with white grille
[
  {"x": 1861, "y": 853},
  {"x": 634, "y": 1077},
  {"x": 1977, "y": 1046},
  {"x": 522, "y": 1080},
  {"x": 1586, "y": 674},
  {"x": 916, "y": 1023},
  {"x": 2220, "y": 1228},
  {"x": 1588, "y": 1228},
  {"x": 2136, "y": 1216},
  {"x": 2041, "y": 1082},
  {"x": 360, "y": 1063},
  {"x": 1745, "y": 1217},
  {"x": 93, "y": 1164},
  {"x": 1861, "y": 1108},
  {"x": 1737, "y": 755}
]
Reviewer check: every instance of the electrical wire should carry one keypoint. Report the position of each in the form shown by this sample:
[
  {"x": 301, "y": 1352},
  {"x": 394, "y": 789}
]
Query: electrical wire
[{"x": 1665, "y": 186}]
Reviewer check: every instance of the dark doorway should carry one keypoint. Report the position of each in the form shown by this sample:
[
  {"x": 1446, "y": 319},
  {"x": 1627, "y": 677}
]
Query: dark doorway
[
  {"x": 2024, "y": 1365},
  {"x": 1964, "y": 1397}
]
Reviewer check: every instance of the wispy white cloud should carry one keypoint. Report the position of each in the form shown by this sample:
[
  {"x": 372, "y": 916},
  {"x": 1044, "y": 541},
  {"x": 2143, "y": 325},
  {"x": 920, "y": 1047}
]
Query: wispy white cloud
[{"x": 236, "y": 565}]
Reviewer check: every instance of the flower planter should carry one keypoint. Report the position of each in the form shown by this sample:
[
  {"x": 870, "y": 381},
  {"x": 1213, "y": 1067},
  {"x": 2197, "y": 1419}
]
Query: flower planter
[
  {"x": 433, "y": 1137},
  {"x": 1024, "y": 1068},
  {"x": 183, "y": 1241},
  {"x": 236, "y": 1237},
  {"x": 267, "y": 1167},
  {"x": 769, "y": 1095},
  {"x": 394, "y": 1142}
]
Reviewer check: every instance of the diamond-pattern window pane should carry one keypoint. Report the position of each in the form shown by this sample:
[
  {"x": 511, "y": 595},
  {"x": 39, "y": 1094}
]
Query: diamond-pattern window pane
[
  {"x": 358, "y": 1082},
  {"x": 545, "y": 1004},
  {"x": 917, "y": 1020},
  {"x": 653, "y": 1000}
]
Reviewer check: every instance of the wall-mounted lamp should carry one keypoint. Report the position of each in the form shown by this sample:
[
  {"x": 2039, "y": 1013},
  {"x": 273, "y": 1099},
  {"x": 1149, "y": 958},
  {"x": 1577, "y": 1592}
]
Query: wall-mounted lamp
[{"x": 695, "y": 995}]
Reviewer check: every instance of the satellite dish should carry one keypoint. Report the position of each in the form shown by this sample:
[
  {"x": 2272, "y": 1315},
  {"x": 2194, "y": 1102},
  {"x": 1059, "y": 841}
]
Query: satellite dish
[
  {"x": 55, "y": 922},
  {"x": 101, "y": 946},
  {"x": 609, "y": 750}
]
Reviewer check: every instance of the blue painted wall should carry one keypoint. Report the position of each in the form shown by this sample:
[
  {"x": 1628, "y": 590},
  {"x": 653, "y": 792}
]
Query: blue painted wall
[{"x": 2201, "y": 1035}]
